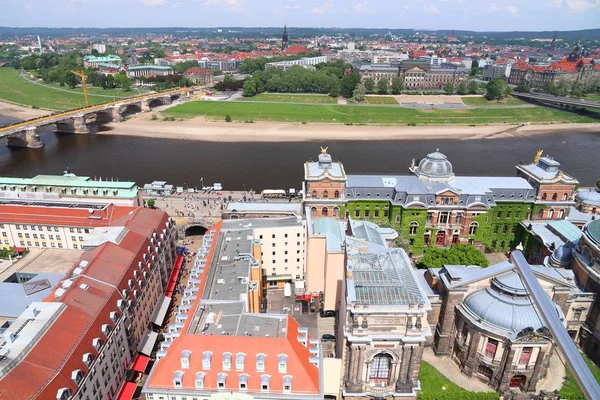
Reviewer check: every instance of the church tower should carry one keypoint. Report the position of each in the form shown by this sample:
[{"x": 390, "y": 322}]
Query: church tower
[
  {"x": 284, "y": 40},
  {"x": 553, "y": 44}
]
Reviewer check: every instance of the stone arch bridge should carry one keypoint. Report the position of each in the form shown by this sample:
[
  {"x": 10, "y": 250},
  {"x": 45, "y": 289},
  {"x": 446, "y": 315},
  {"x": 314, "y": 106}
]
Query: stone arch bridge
[{"x": 88, "y": 119}]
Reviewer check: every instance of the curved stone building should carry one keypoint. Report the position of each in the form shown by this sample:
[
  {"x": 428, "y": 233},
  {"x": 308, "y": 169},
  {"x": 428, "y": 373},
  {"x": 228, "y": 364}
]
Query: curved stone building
[
  {"x": 586, "y": 266},
  {"x": 588, "y": 201},
  {"x": 434, "y": 167}
]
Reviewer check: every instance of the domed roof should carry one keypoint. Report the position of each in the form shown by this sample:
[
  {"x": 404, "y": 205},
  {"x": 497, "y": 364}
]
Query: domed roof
[
  {"x": 562, "y": 256},
  {"x": 592, "y": 230},
  {"x": 505, "y": 305},
  {"x": 588, "y": 197},
  {"x": 434, "y": 167}
]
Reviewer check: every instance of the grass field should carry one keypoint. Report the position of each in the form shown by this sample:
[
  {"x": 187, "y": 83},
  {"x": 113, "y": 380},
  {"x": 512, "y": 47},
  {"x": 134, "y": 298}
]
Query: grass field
[
  {"x": 593, "y": 96},
  {"x": 114, "y": 93},
  {"x": 482, "y": 102},
  {"x": 436, "y": 386},
  {"x": 240, "y": 111},
  {"x": 570, "y": 389},
  {"x": 293, "y": 98},
  {"x": 17, "y": 90},
  {"x": 380, "y": 100}
]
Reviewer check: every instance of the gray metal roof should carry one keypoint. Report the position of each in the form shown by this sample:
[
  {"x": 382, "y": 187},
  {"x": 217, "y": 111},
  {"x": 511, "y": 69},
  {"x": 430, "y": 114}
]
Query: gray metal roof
[
  {"x": 330, "y": 228},
  {"x": 98, "y": 236},
  {"x": 367, "y": 231},
  {"x": 295, "y": 208},
  {"x": 325, "y": 167},
  {"x": 589, "y": 197},
  {"x": 16, "y": 297}
]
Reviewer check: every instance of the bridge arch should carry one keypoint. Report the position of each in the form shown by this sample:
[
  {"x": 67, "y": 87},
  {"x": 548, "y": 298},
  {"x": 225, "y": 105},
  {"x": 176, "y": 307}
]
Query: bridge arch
[
  {"x": 195, "y": 230},
  {"x": 131, "y": 109},
  {"x": 104, "y": 116},
  {"x": 155, "y": 103},
  {"x": 175, "y": 96}
]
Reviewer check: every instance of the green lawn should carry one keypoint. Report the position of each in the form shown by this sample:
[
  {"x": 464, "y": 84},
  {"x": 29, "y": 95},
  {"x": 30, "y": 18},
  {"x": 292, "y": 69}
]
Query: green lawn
[
  {"x": 592, "y": 96},
  {"x": 17, "y": 90},
  {"x": 570, "y": 389},
  {"x": 380, "y": 100},
  {"x": 241, "y": 111},
  {"x": 435, "y": 386},
  {"x": 115, "y": 93},
  {"x": 293, "y": 98},
  {"x": 482, "y": 102}
]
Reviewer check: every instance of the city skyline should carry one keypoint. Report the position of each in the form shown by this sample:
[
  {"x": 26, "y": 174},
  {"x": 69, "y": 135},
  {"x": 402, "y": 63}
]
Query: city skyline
[{"x": 500, "y": 15}]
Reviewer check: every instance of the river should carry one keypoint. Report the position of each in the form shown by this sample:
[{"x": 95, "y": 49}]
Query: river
[{"x": 280, "y": 165}]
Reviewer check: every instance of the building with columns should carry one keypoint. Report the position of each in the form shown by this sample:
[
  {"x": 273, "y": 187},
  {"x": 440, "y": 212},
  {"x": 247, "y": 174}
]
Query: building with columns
[
  {"x": 486, "y": 322},
  {"x": 434, "y": 206},
  {"x": 383, "y": 319}
]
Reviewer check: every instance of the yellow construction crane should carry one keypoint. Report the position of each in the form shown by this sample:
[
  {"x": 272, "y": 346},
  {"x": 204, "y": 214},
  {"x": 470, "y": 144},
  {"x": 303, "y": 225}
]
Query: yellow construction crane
[{"x": 83, "y": 77}]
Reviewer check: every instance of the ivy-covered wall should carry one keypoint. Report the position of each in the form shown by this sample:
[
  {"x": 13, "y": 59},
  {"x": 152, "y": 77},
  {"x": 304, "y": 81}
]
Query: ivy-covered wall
[{"x": 497, "y": 227}]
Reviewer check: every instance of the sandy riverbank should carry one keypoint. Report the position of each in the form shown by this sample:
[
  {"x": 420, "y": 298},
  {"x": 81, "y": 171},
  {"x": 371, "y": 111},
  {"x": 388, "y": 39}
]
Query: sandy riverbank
[
  {"x": 200, "y": 129},
  {"x": 21, "y": 112}
]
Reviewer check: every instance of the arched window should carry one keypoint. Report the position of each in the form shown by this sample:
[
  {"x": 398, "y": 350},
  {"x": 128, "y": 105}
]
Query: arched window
[
  {"x": 473, "y": 228},
  {"x": 413, "y": 228},
  {"x": 314, "y": 193},
  {"x": 336, "y": 194},
  {"x": 555, "y": 197},
  {"x": 565, "y": 196},
  {"x": 561, "y": 214},
  {"x": 544, "y": 196},
  {"x": 336, "y": 212},
  {"x": 313, "y": 212},
  {"x": 325, "y": 194},
  {"x": 324, "y": 212},
  {"x": 380, "y": 370},
  {"x": 550, "y": 213},
  {"x": 541, "y": 214}
]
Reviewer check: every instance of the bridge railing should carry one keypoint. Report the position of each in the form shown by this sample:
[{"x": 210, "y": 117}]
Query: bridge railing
[{"x": 89, "y": 108}]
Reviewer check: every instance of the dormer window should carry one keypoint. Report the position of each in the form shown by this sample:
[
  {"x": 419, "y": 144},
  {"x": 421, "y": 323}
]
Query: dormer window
[
  {"x": 282, "y": 363},
  {"x": 88, "y": 359},
  {"x": 287, "y": 384},
  {"x": 264, "y": 383},
  {"x": 178, "y": 379},
  {"x": 221, "y": 378},
  {"x": 77, "y": 376},
  {"x": 244, "y": 382},
  {"x": 185, "y": 358},
  {"x": 206, "y": 357},
  {"x": 130, "y": 283},
  {"x": 239, "y": 361},
  {"x": 114, "y": 316},
  {"x": 227, "y": 361},
  {"x": 200, "y": 380},
  {"x": 260, "y": 362},
  {"x": 97, "y": 343},
  {"x": 106, "y": 329},
  {"x": 63, "y": 394}
]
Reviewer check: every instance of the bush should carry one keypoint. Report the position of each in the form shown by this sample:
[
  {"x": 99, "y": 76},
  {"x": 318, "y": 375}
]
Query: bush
[
  {"x": 249, "y": 121},
  {"x": 151, "y": 203},
  {"x": 35, "y": 107},
  {"x": 228, "y": 118},
  {"x": 459, "y": 254},
  {"x": 154, "y": 117},
  {"x": 412, "y": 124}
]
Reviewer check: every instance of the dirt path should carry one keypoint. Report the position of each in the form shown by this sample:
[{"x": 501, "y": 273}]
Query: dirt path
[
  {"x": 21, "y": 112},
  {"x": 201, "y": 129}
]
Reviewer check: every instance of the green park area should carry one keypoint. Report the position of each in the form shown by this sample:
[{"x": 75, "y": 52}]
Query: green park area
[
  {"x": 480, "y": 101},
  {"x": 570, "y": 389},
  {"x": 435, "y": 386},
  {"x": 242, "y": 110},
  {"x": 15, "y": 89},
  {"x": 380, "y": 100},
  {"x": 292, "y": 98}
]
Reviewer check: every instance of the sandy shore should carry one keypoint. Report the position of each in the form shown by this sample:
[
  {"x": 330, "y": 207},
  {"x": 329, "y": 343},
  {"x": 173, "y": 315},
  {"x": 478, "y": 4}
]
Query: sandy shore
[
  {"x": 21, "y": 112},
  {"x": 200, "y": 129}
]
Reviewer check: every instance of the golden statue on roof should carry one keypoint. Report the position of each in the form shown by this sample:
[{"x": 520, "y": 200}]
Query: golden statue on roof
[
  {"x": 538, "y": 156},
  {"x": 324, "y": 150}
]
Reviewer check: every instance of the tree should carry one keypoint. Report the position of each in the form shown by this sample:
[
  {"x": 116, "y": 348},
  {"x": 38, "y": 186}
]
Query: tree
[
  {"x": 459, "y": 254},
  {"x": 151, "y": 203},
  {"x": 349, "y": 82},
  {"x": 95, "y": 53},
  {"x": 472, "y": 88},
  {"x": 123, "y": 81},
  {"x": 496, "y": 89},
  {"x": 549, "y": 87},
  {"x": 71, "y": 80},
  {"x": 474, "y": 68},
  {"x": 598, "y": 183},
  {"x": 359, "y": 93},
  {"x": 462, "y": 88},
  {"x": 335, "y": 90},
  {"x": 523, "y": 88},
  {"x": 228, "y": 118},
  {"x": 397, "y": 85},
  {"x": 249, "y": 88},
  {"x": 369, "y": 85},
  {"x": 383, "y": 86},
  {"x": 449, "y": 88}
]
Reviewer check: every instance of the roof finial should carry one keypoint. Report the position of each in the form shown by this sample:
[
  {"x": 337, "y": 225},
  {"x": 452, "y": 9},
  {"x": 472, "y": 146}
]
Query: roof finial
[
  {"x": 437, "y": 150},
  {"x": 324, "y": 150},
  {"x": 538, "y": 156}
]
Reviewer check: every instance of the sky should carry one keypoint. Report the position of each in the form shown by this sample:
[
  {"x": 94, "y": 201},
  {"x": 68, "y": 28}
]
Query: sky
[{"x": 479, "y": 15}]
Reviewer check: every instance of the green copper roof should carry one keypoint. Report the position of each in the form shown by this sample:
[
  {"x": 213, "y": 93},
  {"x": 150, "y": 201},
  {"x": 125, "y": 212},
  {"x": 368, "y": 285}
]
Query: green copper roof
[
  {"x": 593, "y": 230},
  {"x": 110, "y": 58},
  {"x": 74, "y": 185},
  {"x": 566, "y": 229}
]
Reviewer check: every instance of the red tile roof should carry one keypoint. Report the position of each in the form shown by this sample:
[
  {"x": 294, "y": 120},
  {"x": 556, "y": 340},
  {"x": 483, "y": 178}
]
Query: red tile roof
[
  {"x": 61, "y": 216},
  {"x": 296, "y": 49}
]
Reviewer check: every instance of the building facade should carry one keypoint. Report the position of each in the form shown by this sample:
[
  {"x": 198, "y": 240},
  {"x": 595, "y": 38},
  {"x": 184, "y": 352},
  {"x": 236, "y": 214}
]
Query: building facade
[
  {"x": 416, "y": 75},
  {"x": 71, "y": 188},
  {"x": 199, "y": 76},
  {"x": 433, "y": 206},
  {"x": 486, "y": 322},
  {"x": 496, "y": 71},
  {"x": 143, "y": 71},
  {"x": 383, "y": 318}
]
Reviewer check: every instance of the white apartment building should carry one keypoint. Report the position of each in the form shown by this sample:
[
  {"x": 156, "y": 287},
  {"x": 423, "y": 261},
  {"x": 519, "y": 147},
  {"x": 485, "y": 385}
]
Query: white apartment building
[{"x": 283, "y": 248}]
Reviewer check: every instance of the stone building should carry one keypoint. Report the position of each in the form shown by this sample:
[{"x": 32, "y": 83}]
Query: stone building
[
  {"x": 433, "y": 206},
  {"x": 199, "y": 76},
  {"x": 416, "y": 75},
  {"x": 588, "y": 201},
  {"x": 573, "y": 68},
  {"x": 383, "y": 317},
  {"x": 486, "y": 322}
]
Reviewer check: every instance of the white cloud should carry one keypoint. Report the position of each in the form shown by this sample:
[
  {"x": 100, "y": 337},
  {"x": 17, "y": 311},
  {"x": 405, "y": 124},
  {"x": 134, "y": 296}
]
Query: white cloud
[
  {"x": 576, "y": 6},
  {"x": 512, "y": 10},
  {"x": 322, "y": 9},
  {"x": 292, "y": 7},
  {"x": 234, "y": 5},
  {"x": 493, "y": 7},
  {"x": 152, "y": 3},
  {"x": 359, "y": 7},
  {"x": 431, "y": 9}
]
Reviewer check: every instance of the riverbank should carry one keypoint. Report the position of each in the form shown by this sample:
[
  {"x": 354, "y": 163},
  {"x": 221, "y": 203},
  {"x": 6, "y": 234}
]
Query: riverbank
[
  {"x": 20, "y": 112},
  {"x": 202, "y": 130}
]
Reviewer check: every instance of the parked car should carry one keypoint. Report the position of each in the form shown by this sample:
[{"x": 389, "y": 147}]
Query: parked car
[
  {"x": 327, "y": 313},
  {"x": 327, "y": 338}
]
